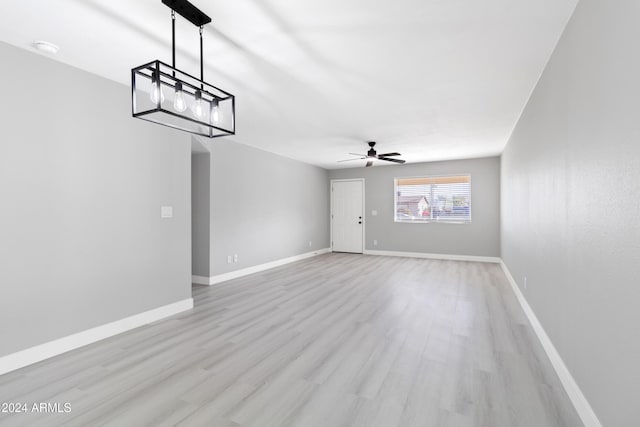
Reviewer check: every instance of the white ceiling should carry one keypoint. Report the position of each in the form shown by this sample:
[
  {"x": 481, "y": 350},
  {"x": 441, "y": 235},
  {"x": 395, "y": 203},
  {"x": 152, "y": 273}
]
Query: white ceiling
[{"x": 315, "y": 79}]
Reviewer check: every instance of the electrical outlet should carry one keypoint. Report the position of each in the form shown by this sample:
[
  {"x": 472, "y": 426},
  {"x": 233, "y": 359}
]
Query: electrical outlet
[
  {"x": 229, "y": 259},
  {"x": 525, "y": 282},
  {"x": 375, "y": 243},
  {"x": 310, "y": 243},
  {"x": 235, "y": 258}
]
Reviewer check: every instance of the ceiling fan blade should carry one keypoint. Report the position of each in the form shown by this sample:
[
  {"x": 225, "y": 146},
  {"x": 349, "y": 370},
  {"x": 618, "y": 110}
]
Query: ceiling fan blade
[
  {"x": 350, "y": 160},
  {"x": 369, "y": 163},
  {"x": 392, "y": 160},
  {"x": 358, "y": 154},
  {"x": 389, "y": 154}
]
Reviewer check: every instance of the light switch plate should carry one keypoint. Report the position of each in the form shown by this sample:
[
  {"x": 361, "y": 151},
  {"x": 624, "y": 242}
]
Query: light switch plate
[
  {"x": 166, "y": 211},
  {"x": 374, "y": 213}
]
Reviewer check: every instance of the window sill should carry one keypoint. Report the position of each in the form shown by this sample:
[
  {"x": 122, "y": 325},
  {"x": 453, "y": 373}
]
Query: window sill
[{"x": 431, "y": 221}]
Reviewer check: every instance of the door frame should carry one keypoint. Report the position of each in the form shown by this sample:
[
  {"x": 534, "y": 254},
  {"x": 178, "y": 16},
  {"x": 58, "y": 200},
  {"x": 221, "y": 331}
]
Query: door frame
[{"x": 364, "y": 213}]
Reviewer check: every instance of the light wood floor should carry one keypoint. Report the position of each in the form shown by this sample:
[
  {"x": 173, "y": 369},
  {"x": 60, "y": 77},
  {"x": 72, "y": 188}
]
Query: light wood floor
[{"x": 336, "y": 340}]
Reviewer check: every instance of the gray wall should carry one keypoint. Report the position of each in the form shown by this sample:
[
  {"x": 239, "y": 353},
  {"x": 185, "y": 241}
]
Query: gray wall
[
  {"x": 571, "y": 197},
  {"x": 81, "y": 185},
  {"x": 264, "y": 207},
  {"x": 480, "y": 238},
  {"x": 200, "y": 214}
]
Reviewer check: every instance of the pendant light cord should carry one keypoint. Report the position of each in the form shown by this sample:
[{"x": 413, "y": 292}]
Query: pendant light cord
[
  {"x": 173, "y": 40},
  {"x": 173, "y": 47},
  {"x": 201, "y": 60}
]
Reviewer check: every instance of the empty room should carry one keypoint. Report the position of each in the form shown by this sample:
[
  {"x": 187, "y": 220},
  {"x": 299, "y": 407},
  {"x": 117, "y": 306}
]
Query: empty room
[{"x": 320, "y": 213}]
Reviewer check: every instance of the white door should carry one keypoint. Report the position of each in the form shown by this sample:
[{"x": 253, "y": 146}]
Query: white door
[{"x": 347, "y": 215}]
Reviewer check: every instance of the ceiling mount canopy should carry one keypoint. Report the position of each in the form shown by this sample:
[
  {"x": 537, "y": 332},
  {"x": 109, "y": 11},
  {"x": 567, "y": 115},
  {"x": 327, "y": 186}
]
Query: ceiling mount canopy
[
  {"x": 188, "y": 12},
  {"x": 163, "y": 94}
]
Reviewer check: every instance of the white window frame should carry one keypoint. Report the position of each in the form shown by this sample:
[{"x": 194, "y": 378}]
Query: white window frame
[{"x": 430, "y": 221}]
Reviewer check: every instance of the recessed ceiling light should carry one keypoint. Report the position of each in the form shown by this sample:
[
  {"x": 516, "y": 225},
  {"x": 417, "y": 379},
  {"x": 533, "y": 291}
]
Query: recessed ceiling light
[{"x": 46, "y": 47}]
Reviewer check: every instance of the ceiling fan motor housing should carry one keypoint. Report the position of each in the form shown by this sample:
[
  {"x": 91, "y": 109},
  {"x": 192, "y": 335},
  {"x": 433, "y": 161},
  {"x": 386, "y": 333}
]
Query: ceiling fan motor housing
[{"x": 371, "y": 152}]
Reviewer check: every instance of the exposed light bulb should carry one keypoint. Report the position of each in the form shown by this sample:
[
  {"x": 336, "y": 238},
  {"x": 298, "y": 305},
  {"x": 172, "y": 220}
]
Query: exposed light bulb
[
  {"x": 199, "y": 108},
  {"x": 156, "y": 90},
  {"x": 179, "y": 103},
  {"x": 216, "y": 114}
]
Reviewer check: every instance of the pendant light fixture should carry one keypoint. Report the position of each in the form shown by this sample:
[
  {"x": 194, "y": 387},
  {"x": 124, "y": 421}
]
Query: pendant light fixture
[{"x": 163, "y": 94}]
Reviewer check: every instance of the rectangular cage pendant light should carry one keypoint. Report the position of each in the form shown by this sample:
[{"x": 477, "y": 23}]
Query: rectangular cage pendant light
[{"x": 163, "y": 94}]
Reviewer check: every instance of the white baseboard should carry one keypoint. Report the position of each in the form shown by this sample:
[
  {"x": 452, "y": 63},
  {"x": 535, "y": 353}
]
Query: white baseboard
[
  {"x": 586, "y": 413},
  {"x": 447, "y": 257},
  {"x": 200, "y": 280},
  {"x": 22, "y": 358}
]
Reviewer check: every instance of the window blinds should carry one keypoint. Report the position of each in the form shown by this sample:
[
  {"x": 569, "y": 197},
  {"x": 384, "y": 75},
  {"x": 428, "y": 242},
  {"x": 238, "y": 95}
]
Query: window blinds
[{"x": 433, "y": 199}]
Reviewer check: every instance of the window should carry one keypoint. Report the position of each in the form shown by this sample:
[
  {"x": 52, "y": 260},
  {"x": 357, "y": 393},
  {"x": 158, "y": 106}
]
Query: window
[{"x": 433, "y": 199}]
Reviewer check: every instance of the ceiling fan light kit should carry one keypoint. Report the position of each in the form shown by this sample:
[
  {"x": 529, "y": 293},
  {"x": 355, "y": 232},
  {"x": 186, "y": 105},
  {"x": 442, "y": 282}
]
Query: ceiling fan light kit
[
  {"x": 373, "y": 155},
  {"x": 165, "y": 95}
]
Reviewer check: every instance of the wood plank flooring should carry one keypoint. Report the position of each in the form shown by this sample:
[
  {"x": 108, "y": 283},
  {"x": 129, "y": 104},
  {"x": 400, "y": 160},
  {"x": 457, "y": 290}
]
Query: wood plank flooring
[{"x": 335, "y": 340}]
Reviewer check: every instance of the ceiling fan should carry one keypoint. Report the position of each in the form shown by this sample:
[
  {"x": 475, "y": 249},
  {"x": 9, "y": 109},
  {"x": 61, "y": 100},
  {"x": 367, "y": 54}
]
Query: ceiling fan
[{"x": 371, "y": 156}]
